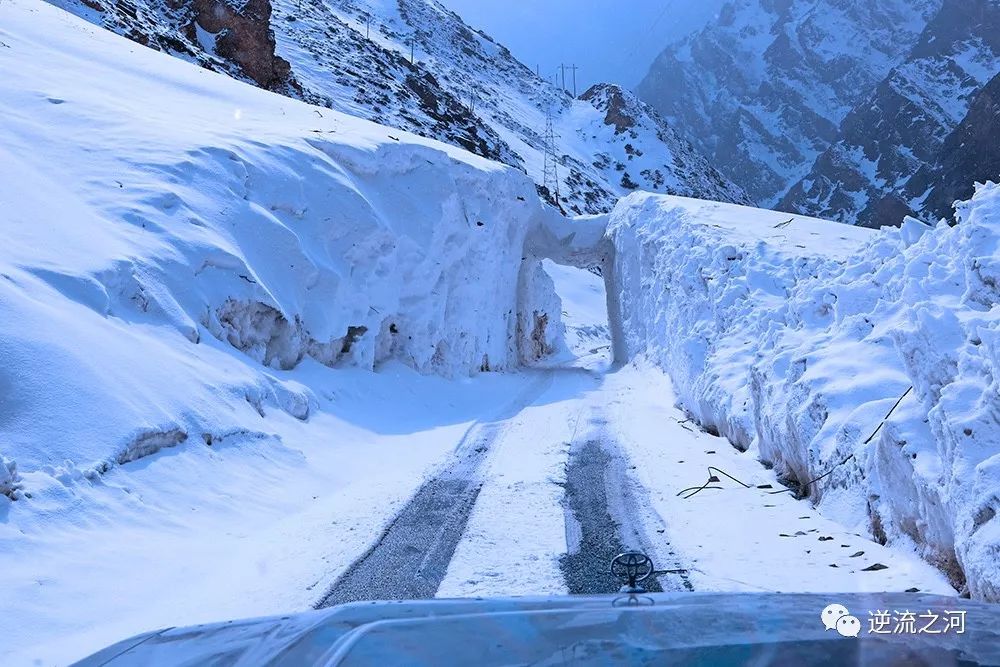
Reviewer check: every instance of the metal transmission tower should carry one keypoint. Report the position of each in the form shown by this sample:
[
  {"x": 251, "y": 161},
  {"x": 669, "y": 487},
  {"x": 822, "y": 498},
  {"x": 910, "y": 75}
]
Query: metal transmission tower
[
  {"x": 562, "y": 68},
  {"x": 412, "y": 41},
  {"x": 550, "y": 168}
]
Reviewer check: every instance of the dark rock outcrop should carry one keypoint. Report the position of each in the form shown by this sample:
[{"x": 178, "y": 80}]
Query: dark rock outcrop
[
  {"x": 243, "y": 36},
  {"x": 229, "y": 36}
]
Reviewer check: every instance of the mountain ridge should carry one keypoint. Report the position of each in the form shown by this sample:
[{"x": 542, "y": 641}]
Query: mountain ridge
[
  {"x": 902, "y": 127},
  {"x": 762, "y": 91},
  {"x": 415, "y": 65}
]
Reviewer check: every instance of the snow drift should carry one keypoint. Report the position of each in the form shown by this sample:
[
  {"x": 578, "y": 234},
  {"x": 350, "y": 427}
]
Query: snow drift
[
  {"x": 795, "y": 337},
  {"x": 174, "y": 239}
]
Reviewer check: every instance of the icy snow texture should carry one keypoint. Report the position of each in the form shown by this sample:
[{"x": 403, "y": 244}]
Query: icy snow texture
[
  {"x": 795, "y": 337},
  {"x": 540, "y": 331}
]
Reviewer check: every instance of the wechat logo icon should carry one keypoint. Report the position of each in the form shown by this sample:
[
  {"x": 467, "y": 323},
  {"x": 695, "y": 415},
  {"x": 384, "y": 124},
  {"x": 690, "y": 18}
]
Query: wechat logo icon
[{"x": 836, "y": 617}]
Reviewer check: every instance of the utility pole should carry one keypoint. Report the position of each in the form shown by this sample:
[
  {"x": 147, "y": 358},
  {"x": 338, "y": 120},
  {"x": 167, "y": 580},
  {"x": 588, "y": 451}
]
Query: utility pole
[
  {"x": 550, "y": 168},
  {"x": 563, "y": 69},
  {"x": 573, "y": 68},
  {"x": 413, "y": 41}
]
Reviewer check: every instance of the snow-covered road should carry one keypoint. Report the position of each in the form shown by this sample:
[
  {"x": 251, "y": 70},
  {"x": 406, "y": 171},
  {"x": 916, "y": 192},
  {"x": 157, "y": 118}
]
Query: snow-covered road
[
  {"x": 595, "y": 463},
  {"x": 539, "y": 525},
  {"x": 409, "y": 560}
]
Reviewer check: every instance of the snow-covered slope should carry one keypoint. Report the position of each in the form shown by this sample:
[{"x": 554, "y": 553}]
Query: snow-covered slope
[
  {"x": 795, "y": 337},
  {"x": 902, "y": 126},
  {"x": 184, "y": 258},
  {"x": 633, "y": 146},
  {"x": 415, "y": 65},
  {"x": 762, "y": 90},
  {"x": 502, "y": 94},
  {"x": 187, "y": 215}
]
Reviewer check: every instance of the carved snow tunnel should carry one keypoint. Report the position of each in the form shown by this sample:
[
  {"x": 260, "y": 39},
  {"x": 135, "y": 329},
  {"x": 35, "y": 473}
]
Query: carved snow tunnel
[{"x": 581, "y": 244}]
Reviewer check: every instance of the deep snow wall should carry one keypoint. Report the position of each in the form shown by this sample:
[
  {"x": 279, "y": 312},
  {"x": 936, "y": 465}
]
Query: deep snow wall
[
  {"x": 175, "y": 242},
  {"x": 794, "y": 338}
]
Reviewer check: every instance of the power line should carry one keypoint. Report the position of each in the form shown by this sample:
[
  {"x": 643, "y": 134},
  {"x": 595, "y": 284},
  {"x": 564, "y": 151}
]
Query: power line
[
  {"x": 694, "y": 490},
  {"x": 562, "y": 68},
  {"x": 636, "y": 43}
]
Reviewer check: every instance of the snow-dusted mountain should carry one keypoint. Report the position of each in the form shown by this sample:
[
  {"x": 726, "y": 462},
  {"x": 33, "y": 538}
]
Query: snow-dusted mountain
[
  {"x": 902, "y": 126},
  {"x": 969, "y": 155},
  {"x": 762, "y": 91},
  {"x": 635, "y": 148},
  {"x": 415, "y": 65}
]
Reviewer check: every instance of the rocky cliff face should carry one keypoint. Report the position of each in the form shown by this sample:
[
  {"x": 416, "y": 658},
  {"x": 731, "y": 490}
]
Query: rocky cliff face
[
  {"x": 901, "y": 128},
  {"x": 970, "y": 154},
  {"x": 762, "y": 92},
  {"x": 414, "y": 65},
  {"x": 242, "y": 35},
  {"x": 354, "y": 60}
]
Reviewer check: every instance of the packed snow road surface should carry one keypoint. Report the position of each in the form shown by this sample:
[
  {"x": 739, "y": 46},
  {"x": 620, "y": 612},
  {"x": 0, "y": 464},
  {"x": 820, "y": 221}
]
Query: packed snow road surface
[
  {"x": 410, "y": 559},
  {"x": 599, "y": 502}
]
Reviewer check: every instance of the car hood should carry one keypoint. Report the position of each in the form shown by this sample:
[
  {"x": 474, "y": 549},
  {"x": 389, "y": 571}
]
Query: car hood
[{"x": 687, "y": 628}]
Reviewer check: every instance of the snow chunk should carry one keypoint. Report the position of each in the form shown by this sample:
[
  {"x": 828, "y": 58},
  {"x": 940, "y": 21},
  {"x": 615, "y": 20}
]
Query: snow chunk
[{"x": 10, "y": 481}]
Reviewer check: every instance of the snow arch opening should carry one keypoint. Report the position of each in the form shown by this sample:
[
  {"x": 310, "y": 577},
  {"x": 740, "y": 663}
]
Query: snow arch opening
[{"x": 556, "y": 243}]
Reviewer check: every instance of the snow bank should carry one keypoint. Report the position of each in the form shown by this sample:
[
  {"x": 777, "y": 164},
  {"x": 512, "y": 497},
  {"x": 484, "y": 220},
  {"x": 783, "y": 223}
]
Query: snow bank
[
  {"x": 183, "y": 260},
  {"x": 794, "y": 337},
  {"x": 175, "y": 240}
]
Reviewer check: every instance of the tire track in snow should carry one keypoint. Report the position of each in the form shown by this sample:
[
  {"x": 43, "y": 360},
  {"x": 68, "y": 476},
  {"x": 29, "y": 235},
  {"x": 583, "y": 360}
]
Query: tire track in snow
[
  {"x": 411, "y": 557},
  {"x": 607, "y": 513}
]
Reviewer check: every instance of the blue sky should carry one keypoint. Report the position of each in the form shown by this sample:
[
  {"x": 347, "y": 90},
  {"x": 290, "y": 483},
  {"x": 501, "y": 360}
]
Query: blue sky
[{"x": 610, "y": 40}]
